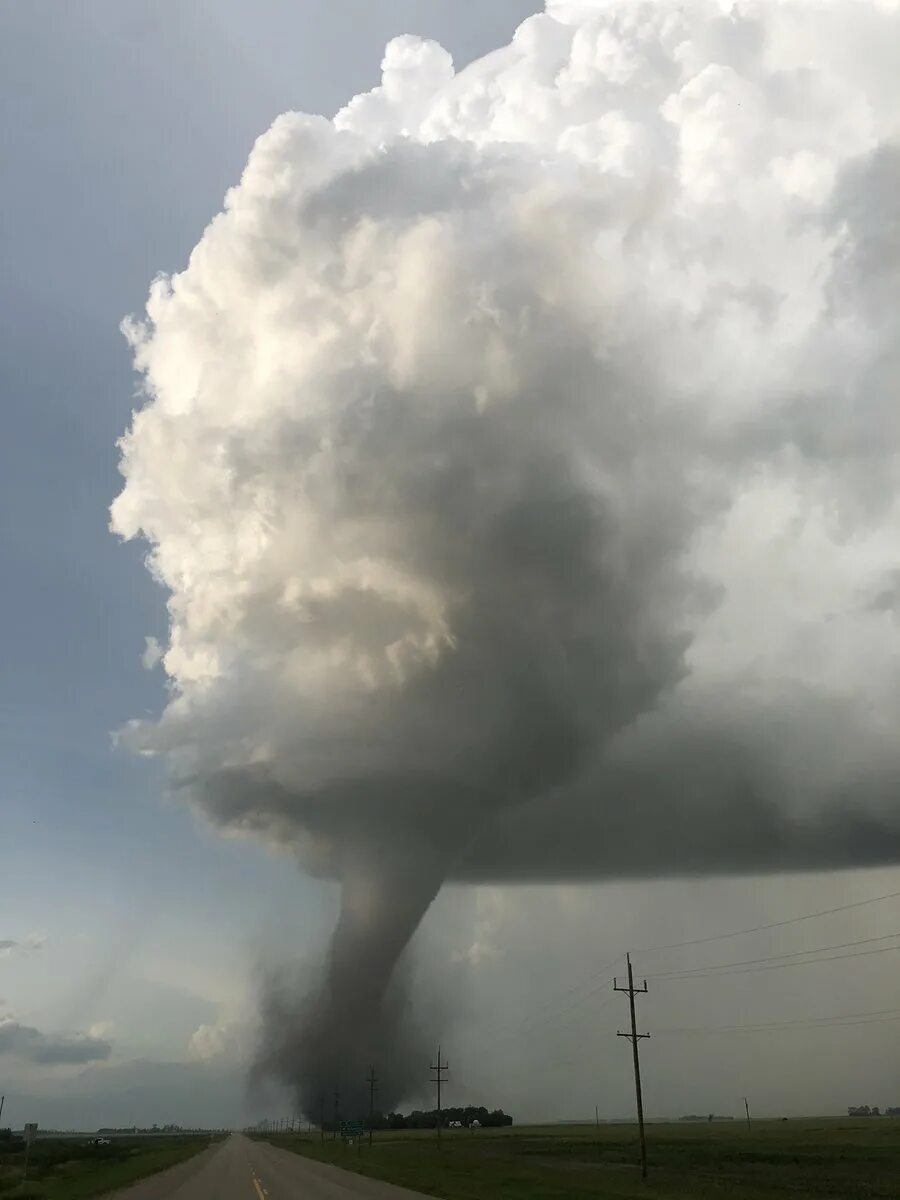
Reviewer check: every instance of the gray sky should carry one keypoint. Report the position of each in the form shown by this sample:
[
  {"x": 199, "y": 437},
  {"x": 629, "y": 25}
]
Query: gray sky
[{"x": 123, "y": 125}]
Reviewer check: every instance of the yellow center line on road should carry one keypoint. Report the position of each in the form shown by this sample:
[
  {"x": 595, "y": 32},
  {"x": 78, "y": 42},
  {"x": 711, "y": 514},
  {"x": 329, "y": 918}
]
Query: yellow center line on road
[{"x": 261, "y": 1193}]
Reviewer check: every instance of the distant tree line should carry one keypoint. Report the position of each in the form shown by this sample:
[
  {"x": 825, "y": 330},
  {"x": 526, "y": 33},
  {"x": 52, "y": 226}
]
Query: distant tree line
[
  {"x": 10, "y": 1143},
  {"x": 476, "y": 1115},
  {"x": 133, "y": 1129},
  {"x": 468, "y": 1116}
]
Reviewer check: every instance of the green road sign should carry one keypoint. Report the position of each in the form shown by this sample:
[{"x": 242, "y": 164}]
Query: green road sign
[{"x": 352, "y": 1128}]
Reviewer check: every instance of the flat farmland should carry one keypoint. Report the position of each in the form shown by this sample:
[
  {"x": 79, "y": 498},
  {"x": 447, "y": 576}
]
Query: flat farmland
[{"x": 838, "y": 1158}]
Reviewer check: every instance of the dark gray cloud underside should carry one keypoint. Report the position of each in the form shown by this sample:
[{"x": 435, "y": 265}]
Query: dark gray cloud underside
[{"x": 24, "y": 1041}]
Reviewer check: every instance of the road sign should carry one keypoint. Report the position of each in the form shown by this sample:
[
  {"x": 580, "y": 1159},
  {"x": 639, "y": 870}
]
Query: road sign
[
  {"x": 30, "y": 1132},
  {"x": 352, "y": 1128}
]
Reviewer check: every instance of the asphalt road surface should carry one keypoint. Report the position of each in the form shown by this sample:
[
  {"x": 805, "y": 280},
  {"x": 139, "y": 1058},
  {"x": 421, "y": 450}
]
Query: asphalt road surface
[{"x": 241, "y": 1169}]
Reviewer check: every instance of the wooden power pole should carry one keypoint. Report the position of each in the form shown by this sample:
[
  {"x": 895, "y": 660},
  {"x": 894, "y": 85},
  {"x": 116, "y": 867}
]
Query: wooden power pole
[
  {"x": 439, "y": 1068},
  {"x": 372, "y": 1081},
  {"x": 634, "y": 1037}
]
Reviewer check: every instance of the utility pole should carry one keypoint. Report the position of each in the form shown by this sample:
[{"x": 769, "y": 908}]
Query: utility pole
[
  {"x": 747, "y": 1111},
  {"x": 337, "y": 1113},
  {"x": 371, "y": 1082},
  {"x": 322, "y": 1118},
  {"x": 597, "y": 1115},
  {"x": 2, "y": 1098},
  {"x": 634, "y": 1037},
  {"x": 439, "y": 1068},
  {"x": 29, "y": 1132}
]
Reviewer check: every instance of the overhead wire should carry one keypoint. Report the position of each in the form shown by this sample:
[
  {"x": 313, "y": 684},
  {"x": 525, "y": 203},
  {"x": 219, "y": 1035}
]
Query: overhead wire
[
  {"x": 549, "y": 1010},
  {"x": 871, "y": 1017},
  {"x": 546, "y": 1010},
  {"x": 688, "y": 971},
  {"x": 825, "y": 912},
  {"x": 779, "y": 966},
  {"x": 528, "y": 1027}
]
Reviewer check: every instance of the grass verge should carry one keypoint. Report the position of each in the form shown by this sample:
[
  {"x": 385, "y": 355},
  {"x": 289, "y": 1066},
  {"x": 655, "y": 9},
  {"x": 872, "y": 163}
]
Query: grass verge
[{"x": 69, "y": 1169}]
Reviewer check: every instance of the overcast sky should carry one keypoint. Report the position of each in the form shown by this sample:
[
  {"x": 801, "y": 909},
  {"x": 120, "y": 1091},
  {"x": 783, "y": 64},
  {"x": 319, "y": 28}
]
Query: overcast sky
[{"x": 134, "y": 938}]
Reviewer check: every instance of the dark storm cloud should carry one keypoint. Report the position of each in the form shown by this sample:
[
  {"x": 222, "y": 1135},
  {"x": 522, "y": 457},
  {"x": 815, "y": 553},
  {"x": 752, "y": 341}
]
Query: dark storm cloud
[
  {"x": 493, "y": 453},
  {"x": 24, "y": 1041}
]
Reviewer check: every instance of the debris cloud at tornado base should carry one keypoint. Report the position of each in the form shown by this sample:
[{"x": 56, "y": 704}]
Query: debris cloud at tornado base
[{"x": 519, "y": 450}]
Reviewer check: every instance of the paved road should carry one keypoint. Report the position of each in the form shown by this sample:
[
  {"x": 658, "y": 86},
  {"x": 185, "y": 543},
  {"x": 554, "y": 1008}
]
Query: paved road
[{"x": 241, "y": 1169}]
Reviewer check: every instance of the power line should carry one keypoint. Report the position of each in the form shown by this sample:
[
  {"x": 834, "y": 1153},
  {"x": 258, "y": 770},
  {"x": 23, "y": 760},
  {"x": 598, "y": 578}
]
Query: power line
[
  {"x": 873, "y": 1021},
  {"x": 709, "y": 971},
  {"x": 535, "y": 1043},
  {"x": 778, "y": 1026},
  {"x": 807, "y": 962},
  {"x": 547, "y": 1009},
  {"x": 773, "y": 957},
  {"x": 530, "y": 1024},
  {"x": 526, "y": 1057},
  {"x": 825, "y": 912},
  {"x": 864, "y": 1018},
  {"x": 536, "y": 1046},
  {"x": 587, "y": 979}
]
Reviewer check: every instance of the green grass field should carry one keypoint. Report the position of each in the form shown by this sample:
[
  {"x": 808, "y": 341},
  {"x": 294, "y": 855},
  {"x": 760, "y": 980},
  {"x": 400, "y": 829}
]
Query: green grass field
[
  {"x": 842, "y": 1159},
  {"x": 64, "y": 1169}
]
